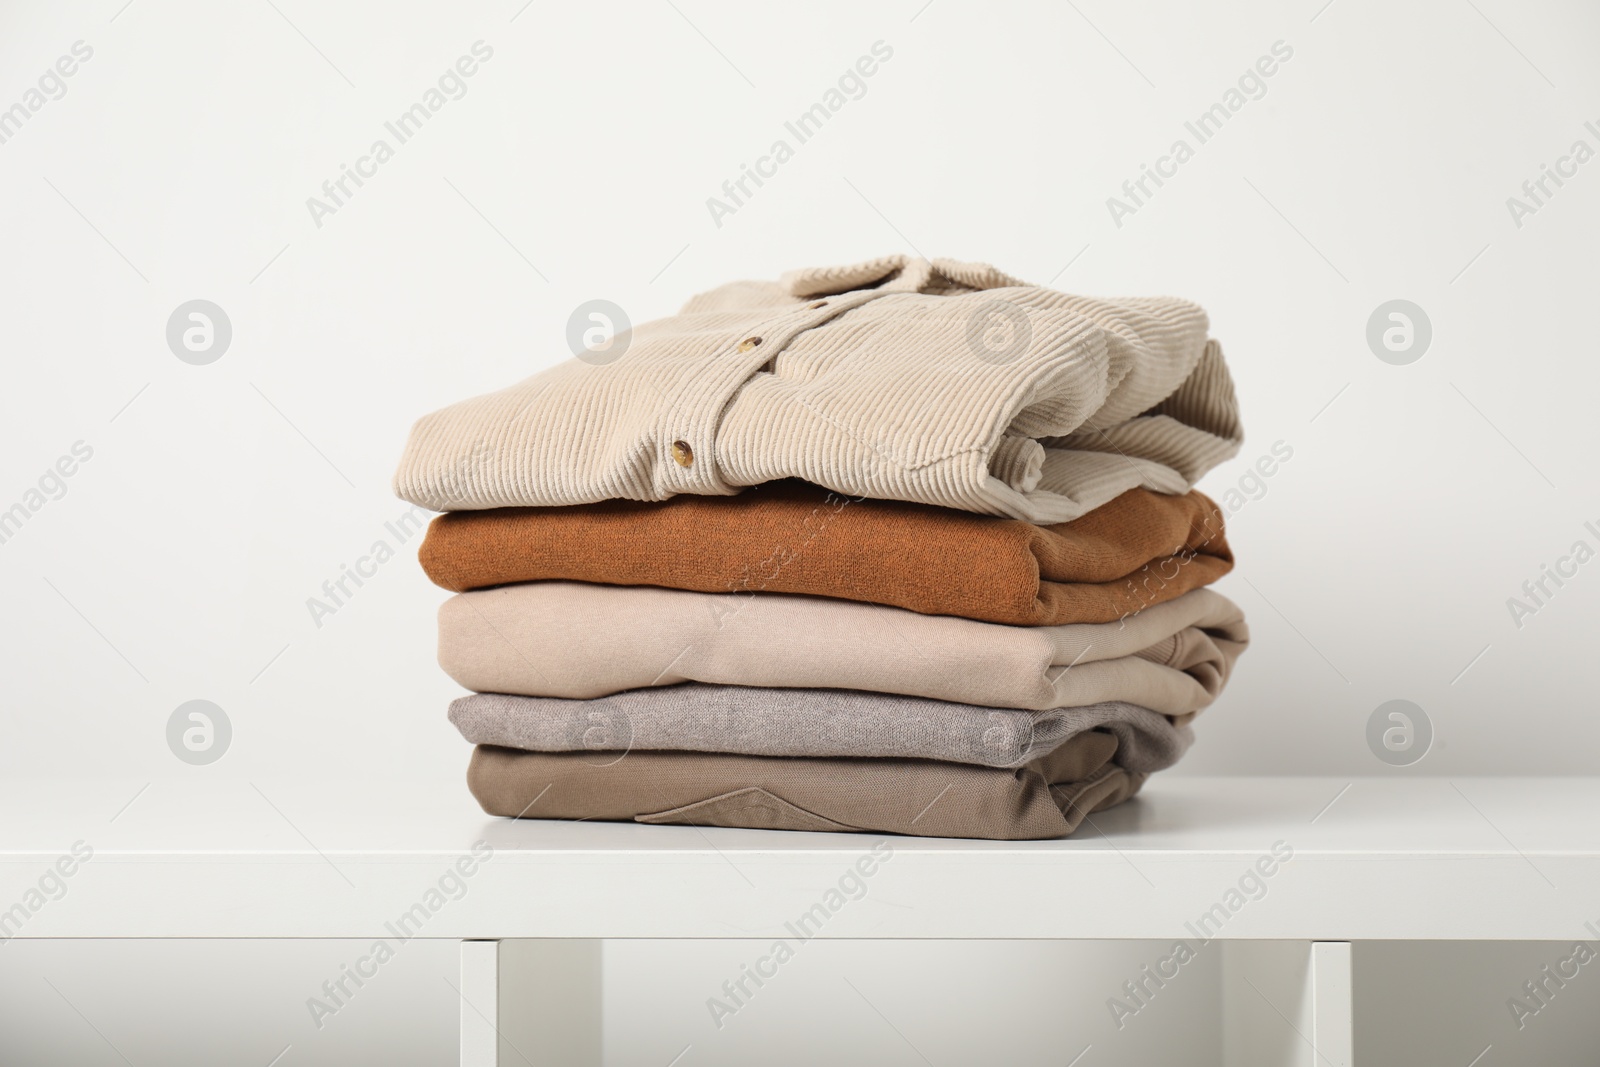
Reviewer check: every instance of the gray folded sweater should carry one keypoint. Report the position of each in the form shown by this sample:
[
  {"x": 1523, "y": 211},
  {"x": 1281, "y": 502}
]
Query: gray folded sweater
[{"x": 759, "y": 721}]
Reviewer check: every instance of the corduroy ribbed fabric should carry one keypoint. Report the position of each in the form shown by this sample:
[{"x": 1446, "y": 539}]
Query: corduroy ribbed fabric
[
  {"x": 1048, "y": 798},
  {"x": 944, "y": 383},
  {"x": 1140, "y": 549},
  {"x": 755, "y": 721},
  {"x": 576, "y": 640}
]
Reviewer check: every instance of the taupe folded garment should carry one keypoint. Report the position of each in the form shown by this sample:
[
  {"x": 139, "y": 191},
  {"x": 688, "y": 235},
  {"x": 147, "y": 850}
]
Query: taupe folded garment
[
  {"x": 752, "y": 721},
  {"x": 1049, "y": 797},
  {"x": 570, "y": 639}
]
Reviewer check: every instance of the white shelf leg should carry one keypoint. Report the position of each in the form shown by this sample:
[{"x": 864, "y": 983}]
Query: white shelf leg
[
  {"x": 480, "y": 1003},
  {"x": 1332, "y": 1015},
  {"x": 530, "y": 1001},
  {"x": 1287, "y": 1004}
]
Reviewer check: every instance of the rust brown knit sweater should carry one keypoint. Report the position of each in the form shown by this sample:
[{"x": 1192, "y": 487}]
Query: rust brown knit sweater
[{"x": 1140, "y": 549}]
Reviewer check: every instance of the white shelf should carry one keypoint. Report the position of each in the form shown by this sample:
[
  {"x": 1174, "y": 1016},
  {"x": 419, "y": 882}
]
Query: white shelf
[{"x": 1411, "y": 858}]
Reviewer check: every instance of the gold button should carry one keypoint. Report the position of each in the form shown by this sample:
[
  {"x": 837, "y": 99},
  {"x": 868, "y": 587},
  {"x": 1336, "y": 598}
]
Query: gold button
[
  {"x": 819, "y": 304},
  {"x": 748, "y": 343},
  {"x": 683, "y": 453}
]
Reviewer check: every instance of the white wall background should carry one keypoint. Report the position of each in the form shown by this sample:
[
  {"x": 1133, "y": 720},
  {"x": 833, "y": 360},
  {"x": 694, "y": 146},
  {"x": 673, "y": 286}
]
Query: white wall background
[{"x": 178, "y": 162}]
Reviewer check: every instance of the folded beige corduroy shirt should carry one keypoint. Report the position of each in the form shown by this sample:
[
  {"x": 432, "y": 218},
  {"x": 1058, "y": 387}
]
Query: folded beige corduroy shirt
[{"x": 940, "y": 382}]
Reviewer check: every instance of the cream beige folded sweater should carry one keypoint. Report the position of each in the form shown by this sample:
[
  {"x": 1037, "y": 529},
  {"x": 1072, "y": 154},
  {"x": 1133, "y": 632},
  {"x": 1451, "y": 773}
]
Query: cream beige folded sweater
[
  {"x": 571, "y": 639},
  {"x": 939, "y": 382}
]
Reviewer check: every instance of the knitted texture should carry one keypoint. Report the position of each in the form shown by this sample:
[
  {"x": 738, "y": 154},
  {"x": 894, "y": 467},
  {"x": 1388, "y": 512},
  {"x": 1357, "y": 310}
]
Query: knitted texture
[
  {"x": 752, "y": 721},
  {"x": 1047, "y": 798},
  {"x": 1140, "y": 549},
  {"x": 577, "y": 640},
  {"x": 944, "y": 383}
]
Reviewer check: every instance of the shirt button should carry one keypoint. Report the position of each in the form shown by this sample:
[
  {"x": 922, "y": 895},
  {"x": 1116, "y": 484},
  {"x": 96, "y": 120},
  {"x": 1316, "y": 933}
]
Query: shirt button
[
  {"x": 683, "y": 453},
  {"x": 747, "y": 344}
]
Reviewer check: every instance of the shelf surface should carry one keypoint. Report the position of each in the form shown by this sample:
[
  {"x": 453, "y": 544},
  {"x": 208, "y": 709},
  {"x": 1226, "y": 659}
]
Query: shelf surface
[{"x": 1470, "y": 858}]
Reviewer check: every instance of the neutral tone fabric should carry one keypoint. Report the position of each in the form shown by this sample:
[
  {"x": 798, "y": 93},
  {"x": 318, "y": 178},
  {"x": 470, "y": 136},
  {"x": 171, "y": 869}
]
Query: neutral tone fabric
[
  {"x": 1048, "y": 798},
  {"x": 947, "y": 383},
  {"x": 573, "y": 639},
  {"x": 753, "y": 721},
  {"x": 791, "y": 537}
]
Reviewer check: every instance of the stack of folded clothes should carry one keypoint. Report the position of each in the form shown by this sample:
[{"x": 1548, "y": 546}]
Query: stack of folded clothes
[{"x": 831, "y": 553}]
